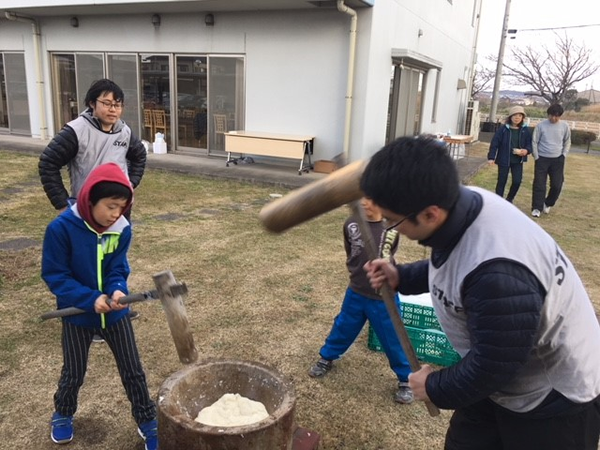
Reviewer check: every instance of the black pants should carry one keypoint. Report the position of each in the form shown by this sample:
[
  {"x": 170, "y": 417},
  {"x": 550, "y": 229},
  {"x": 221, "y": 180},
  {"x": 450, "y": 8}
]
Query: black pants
[
  {"x": 76, "y": 343},
  {"x": 544, "y": 168},
  {"x": 487, "y": 426},
  {"x": 516, "y": 171}
]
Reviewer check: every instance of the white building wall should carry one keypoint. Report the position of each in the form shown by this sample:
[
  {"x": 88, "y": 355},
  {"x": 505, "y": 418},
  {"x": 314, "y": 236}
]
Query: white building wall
[
  {"x": 296, "y": 76},
  {"x": 447, "y": 38},
  {"x": 295, "y": 61}
]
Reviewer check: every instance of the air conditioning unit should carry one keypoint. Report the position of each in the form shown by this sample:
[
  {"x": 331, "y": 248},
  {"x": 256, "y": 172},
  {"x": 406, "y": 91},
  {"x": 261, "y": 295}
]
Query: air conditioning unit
[{"x": 472, "y": 120}]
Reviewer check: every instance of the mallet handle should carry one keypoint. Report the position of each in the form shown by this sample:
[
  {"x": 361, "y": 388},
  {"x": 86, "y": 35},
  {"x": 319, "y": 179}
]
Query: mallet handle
[
  {"x": 73, "y": 311},
  {"x": 389, "y": 300}
]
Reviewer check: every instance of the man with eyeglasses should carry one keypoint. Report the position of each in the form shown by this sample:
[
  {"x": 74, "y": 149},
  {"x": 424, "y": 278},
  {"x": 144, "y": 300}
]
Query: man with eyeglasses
[
  {"x": 98, "y": 136},
  {"x": 513, "y": 307}
]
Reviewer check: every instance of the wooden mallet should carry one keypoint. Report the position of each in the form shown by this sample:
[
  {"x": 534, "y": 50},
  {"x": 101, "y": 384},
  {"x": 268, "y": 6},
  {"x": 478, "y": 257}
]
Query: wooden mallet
[
  {"x": 339, "y": 188},
  {"x": 176, "y": 314}
]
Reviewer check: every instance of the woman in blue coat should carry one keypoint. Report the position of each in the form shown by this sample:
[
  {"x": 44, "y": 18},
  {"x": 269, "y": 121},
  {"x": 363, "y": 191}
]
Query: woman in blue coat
[{"x": 509, "y": 149}]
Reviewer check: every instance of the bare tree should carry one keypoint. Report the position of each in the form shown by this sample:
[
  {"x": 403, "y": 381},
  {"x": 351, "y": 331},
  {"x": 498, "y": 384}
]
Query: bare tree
[
  {"x": 481, "y": 79},
  {"x": 551, "y": 72}
]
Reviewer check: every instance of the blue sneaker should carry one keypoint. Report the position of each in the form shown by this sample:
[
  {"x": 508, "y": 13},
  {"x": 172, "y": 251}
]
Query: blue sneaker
[
  {"x": 62, "y": 429},
  {"x": 149, "y": 432}
]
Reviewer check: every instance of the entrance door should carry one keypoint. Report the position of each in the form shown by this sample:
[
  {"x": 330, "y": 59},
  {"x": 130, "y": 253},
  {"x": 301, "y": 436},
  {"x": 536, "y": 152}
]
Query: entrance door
[
  {"x": 225, "y": 100},
  {"x": 65, "y": 92},
  {"x": 122, "y": 69},
  {"x": 192, "y": 103},
  {"x": 72, "y": 76},
  {"x": 406, "y": 89},
  {"x": 156, "y": 96},
  {"x": 14, "y": 103}
]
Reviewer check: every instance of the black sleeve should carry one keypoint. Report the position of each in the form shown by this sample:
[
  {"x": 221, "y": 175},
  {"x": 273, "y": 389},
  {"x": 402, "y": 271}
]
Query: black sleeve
[
  {"x": 59, "y": 152},
  {"x": 136, "y": 160},
  {"x": 413, "y": 277},
  {"x": 502, "y": 301}
]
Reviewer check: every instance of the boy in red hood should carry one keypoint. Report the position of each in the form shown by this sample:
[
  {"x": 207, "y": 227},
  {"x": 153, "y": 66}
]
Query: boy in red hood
[{"x": 84, "y": 264}]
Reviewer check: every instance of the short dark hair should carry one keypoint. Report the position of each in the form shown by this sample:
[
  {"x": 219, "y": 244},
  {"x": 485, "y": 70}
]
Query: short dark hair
[
  {"x": 99, "y": 87},
  {"x": 410, "y": 174},
  {"x": 109, "y": 189},
  {"x": 555, "y": 110}
]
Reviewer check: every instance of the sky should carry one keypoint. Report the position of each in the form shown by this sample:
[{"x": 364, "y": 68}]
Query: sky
[{"x": 535, "y": 14}]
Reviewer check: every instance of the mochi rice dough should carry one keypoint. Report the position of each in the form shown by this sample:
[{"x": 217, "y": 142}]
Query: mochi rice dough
[{"x": 232, "y": 410}]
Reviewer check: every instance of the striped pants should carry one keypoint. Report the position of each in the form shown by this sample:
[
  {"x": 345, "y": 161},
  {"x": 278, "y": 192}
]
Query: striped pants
[{"x": 76, "y": 343}]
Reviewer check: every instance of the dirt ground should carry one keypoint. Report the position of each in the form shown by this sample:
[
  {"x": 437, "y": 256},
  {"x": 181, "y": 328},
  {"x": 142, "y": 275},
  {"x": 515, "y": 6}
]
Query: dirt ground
[{"x": 252, "y": 296}]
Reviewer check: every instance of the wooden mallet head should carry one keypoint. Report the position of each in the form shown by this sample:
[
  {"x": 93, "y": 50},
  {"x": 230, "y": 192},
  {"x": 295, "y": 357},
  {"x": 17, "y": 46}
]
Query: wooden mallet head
[
  {"x": 312, "y": 200},
  {"x": 176, "y": 317}
]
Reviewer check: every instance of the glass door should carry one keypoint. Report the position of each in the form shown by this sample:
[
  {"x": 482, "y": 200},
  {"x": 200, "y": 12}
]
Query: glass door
[
  {"x": 225, "y": 100},
  {"x": 14, "y": 103},
  {"x": 122, "y": 69},
  {"x": 88, "y": 69},
  {"x": 404, "y": 113},
  {"x": 65, "y": 89},
  {"x": 192, "y": 107},
  {"x": 156, "y": 96}
]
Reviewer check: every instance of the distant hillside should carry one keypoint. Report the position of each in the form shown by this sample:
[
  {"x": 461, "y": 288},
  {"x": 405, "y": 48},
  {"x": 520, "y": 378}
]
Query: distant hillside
[
  {"x": 591, "y": 95},
  {"x": 514, "y": 97},
  {"x": 525, "y": 98},
  {"x": 506, "y": 93}
]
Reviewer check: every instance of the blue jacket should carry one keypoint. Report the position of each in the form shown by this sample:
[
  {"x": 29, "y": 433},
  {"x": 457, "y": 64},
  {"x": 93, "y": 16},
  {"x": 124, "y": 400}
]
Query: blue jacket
[
  {"x": 500, "y": 148},
  {"x": 73, "y": 252}
]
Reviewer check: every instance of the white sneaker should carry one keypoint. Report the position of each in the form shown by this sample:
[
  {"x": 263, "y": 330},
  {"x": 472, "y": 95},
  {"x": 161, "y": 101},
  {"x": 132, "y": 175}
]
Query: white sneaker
[
  {"x": 546, "y": 209},
  {"x": 535, "y": 213}
]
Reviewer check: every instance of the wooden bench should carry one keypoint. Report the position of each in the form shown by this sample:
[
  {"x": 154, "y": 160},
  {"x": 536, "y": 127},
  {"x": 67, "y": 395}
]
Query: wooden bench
[{"x": 274, "y": 145}]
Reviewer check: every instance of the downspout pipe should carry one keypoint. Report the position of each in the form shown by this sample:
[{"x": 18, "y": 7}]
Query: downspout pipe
[
  {"x": 474, "y": 51},
  {"x": 350, "y": 83},
  {"x": 37, "y": 45}
]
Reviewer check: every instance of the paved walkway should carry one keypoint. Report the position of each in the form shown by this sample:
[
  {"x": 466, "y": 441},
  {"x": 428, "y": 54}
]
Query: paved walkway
[{"x": 211, "y": 166}]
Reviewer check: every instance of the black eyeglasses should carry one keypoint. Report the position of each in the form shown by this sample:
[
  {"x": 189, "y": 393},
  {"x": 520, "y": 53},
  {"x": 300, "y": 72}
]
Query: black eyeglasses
[
  {"x": 109, "y": 105},
  {"x": 397, "y": 224}
]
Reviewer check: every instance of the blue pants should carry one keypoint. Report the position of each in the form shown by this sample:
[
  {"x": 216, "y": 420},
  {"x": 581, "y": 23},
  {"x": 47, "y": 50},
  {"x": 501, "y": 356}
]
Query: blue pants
[{"x": 356, "y": 309}]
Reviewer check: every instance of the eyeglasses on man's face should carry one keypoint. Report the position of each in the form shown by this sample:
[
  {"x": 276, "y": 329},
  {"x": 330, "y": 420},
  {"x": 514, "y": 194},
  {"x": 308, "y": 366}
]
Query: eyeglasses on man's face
[
  {"x": 108, "y": 105},
  {"x": 397, "y": 224}
]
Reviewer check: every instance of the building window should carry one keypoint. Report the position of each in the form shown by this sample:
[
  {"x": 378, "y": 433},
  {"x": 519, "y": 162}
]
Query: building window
[
  {"x": 14, "y": 104},
  {"x": 181, "y": 103}
]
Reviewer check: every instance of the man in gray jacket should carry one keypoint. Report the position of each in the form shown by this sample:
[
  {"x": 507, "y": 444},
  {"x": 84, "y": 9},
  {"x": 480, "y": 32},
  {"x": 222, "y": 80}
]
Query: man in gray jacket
[{"x": 551, "y": 143}]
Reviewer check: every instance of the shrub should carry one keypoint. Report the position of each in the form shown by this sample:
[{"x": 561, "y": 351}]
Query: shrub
[{"x": 580, "y": 137}]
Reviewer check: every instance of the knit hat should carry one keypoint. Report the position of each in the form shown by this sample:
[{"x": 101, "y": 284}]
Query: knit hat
[{"x": 516, "y": 110}]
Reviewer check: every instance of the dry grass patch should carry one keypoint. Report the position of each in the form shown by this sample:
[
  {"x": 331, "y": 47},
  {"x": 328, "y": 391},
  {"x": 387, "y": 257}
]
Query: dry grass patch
[{"x": 252, "y": 295}]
